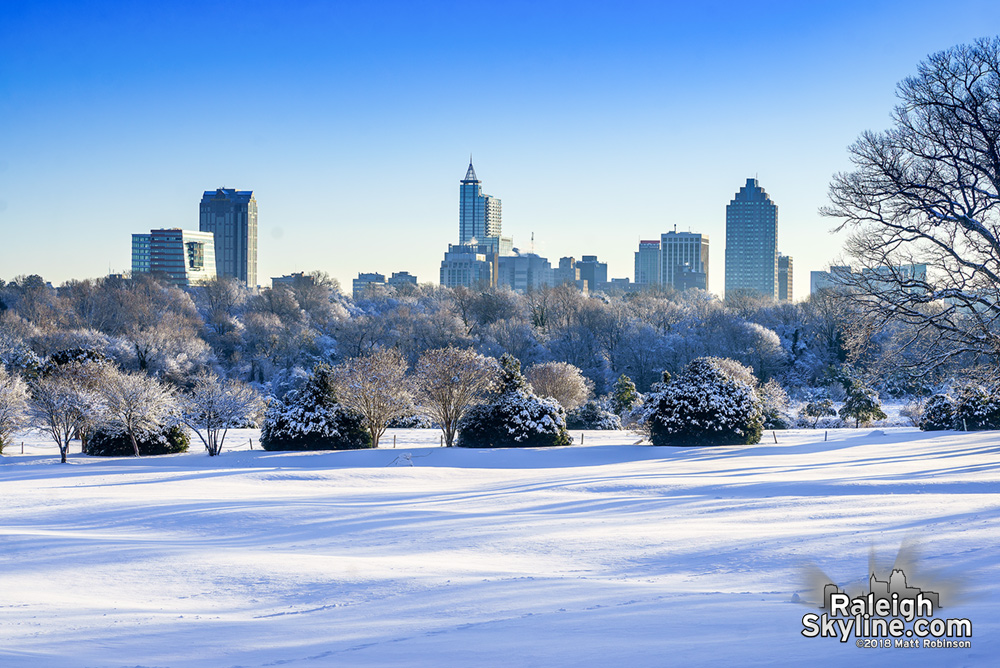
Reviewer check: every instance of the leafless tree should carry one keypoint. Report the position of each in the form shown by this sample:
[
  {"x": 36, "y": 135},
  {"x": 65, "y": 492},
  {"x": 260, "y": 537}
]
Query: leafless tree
[
  {"x": 927, "y": 192},
  {"x": 561, "y": 381},
  {"x": 62, "y": 406},
  {"x": 376, "y": 387},
  {"x": 13, "y": 405},
  {"x": 136, "y": 402},
  {"x": 448, "y": 381},
  {"x": 215, "y": 406}
]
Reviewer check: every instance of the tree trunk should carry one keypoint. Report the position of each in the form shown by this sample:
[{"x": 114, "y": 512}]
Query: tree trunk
[
  {"x": 63, "y": 449},
  {"x": 135, "y": 446}
]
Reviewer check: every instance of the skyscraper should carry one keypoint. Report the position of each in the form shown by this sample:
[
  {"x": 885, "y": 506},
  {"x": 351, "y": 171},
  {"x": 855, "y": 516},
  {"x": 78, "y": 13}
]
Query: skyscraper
[
  {"x": 479, "y": 215},
  {"x": 232, "y": 216},
  {"x": 752, "y": 242},
  {"x": 647, "y": 263},
  {"x": 785, "y": 265},
  {"x": 684, "y": 257}
]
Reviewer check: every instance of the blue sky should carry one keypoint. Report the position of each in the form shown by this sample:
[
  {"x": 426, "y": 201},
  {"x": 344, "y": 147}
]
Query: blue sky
[{"x": 597, "y": 125}]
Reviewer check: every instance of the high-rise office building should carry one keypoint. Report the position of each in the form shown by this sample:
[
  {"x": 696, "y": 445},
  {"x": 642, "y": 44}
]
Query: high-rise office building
[
  {"x": 684, "y": 260},
  {"x": 647, "y": 263},
  {"x": 183, "y": 257},
  {"x": 468, "y": 265},
  {"x": 479, "y": 215},
  {"x": 752, "y": 242},
  {"x": 524, "y": 272},
  {"x": 140, "y": 253},
  {"x": 784, "y": 278},
  {"x": 592, "y": 271},
  {"x": 231, "y": 215}
]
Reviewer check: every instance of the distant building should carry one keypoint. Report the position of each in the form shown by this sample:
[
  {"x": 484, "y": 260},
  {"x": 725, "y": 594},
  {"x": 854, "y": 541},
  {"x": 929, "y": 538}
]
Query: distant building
[
  {"x": 752, "y": 242},
  {"x": 479, "y": 215},
  {"x": 647, "y": 263},
  {"x": 784, "y": 278},
  {"x": 231, "y": 215},
  {"x": 826, "y": 280},
  {"x": 364, "y": 281},
  {"x": 684, "y": 260},
  {"x": 401, "y": 278},
  {"x": 183, "y": 257},
  {"x": 593, "y": 272},
  {"x": 525, "y": 272},
  {"x": 293, "y": 280},
  {"x": 465, "y": 265},
  {"x": 140, "y": 253},
  {"x": 566, "y": 272}
]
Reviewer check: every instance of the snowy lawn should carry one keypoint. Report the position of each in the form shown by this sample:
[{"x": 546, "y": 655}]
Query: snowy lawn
[{"x": 609, "y": 554}]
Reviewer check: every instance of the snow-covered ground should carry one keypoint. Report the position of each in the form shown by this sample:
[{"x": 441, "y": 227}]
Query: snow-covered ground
[{"x": 609, "y": 554}]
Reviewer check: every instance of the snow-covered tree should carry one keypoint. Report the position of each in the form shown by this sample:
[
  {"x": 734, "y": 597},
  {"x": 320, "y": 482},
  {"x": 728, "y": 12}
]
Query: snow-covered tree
[
  {"x": 624, "y": 395},
  {"x": 136, "y": 402},
  {"x": 61, "y": 406},
  {"x": 13, "y": 405},
  {"x": 976, "y": 408},
  {"x": 774, "y": 400},
  {"x": 215, "y": 406},
  {"x": 862, "y": 404},
  {"x": 710, "y": 403},
  {"x": 376, "y": 387},
  {"x": 923, "y": 203},
  {"x": 448, "y": 381},
  {"x": 517, "y": 418},
  {"x": 561, "y": 381},
  {"x": 310, "y": 418}
]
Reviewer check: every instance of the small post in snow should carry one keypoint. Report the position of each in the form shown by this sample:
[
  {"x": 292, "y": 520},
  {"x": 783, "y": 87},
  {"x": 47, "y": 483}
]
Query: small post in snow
[
  {"x": 22, "y": 447},
  {"x": 394, "y": 440},
  {"x": 775, "y": 436},
  {"x": 581, "y": 437},
  {"x": 442, "y": 440},
  {"x": 965, "y": 427},
  {"x": 251, "y": 442}
]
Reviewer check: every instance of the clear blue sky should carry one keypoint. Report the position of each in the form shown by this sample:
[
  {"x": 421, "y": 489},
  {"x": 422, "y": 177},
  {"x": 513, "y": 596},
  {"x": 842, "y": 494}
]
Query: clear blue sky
[{"x": 597, "y": 124}]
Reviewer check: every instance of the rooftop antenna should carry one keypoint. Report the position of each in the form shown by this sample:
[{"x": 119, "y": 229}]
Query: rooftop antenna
[{"x": 532, "y": 242}]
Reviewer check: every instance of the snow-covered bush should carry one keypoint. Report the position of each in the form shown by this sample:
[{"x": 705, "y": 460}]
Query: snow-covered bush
[
  {"x": 774, "y": 401},
  {"x": 939, "y": 414},
  {"x": 817, "y": 407},
  {"x": 976, "y": 409},
  {"x": 112, "y": 440},
  {"x": 311, "y": 419},
  {"x": 411, "y": 421},
  {"x": 592, "y": 415},
  {"x": 517, "y": 418},
  {"x": 708, "y": 404}
]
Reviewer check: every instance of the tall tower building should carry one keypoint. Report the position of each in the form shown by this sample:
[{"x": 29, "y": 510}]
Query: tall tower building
[
  {"x": 479, "y": 215},
  {"x": 752, "y": 242},
  {"x": 684, "y": 260},
  {"x": 647, "y": 263},
  {"x": 232, "y": 216},
  {"x": 784, "y": 278}
]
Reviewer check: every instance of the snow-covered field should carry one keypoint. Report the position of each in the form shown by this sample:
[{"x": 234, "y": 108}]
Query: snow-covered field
[{"x": 609, "y": 554}]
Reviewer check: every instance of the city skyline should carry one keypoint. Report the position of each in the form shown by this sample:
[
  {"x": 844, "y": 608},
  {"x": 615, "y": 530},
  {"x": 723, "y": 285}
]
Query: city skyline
[{"x": 597, "y": 128}]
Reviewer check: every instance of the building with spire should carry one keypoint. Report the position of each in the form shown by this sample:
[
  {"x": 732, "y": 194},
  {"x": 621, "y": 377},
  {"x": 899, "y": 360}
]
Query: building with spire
[
  {"x": 480, "y": 237},
  {"x": 752, "y": 242}
]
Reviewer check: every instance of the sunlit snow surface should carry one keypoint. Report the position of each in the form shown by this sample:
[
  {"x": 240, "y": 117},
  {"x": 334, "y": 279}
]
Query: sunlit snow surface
[{"x": 606, "y": 554}]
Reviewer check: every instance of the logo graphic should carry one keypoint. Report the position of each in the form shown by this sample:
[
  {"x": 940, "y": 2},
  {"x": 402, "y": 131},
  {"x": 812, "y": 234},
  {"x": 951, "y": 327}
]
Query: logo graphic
[{"x": 892, "y": 613}]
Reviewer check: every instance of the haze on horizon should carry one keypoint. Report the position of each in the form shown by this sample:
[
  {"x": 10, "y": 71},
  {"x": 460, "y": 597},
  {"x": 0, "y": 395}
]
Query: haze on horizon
[{"x": 352, "y": 123}]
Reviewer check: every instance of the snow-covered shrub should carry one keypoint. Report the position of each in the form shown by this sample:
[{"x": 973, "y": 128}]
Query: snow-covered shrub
[
  {"x": 774, "y": 401},
  {"x": 976, "y": 409},
  {"x": 818, "y": 406},
  {"x": 112, "y": 440},
  {"x": 517, "y": 418},
  {"x": 862, "y": 404},
  {"x": 412, "y": 421},
  {"x": 592, "y": 415},
  {"x": 939, "y": 414},
  {"x": 708, "y": 404},
  {"x": 311, "y": 419}
]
